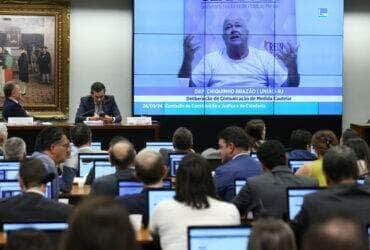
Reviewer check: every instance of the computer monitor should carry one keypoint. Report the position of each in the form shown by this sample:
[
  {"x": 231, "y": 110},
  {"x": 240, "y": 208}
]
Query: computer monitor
[
  {"x": 254, "y": 156},
  {"x": 239, "y": 184},
  {"x": 296, "y": 164},
  {"x": 103, "y": 168},
  {"x": 86, "y": 162},
  {"x": 96, "y": 145},
  {"x": 156, "y": 195},
  {"x": 174, "y": 162},
  {"x": 11, "y": 188},
  {"x": 218, "y": 237},
  {"x": 9, "y": 170},
  {"x": 135, "y": 187},
  {"x": 295, "y": 197},
  {"x": 360, "y": 181},
  {"x": 156, "y": 146},
  {"x": 42, "y": 226}
]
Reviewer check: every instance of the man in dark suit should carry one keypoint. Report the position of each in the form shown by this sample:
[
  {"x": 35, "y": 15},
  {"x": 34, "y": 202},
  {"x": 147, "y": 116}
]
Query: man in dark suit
[
  {"x": 31, "y": 205},
  {"x": 150, "y": 170},
  {"x": 266, "y": 194},
  {"x": 121, "y": 155},
  {"x": 234, "y": 146},
  {"x": 343, "y": 195},
  {"x": 11, "y": 106},
  {"x": 98, "y": 106}
]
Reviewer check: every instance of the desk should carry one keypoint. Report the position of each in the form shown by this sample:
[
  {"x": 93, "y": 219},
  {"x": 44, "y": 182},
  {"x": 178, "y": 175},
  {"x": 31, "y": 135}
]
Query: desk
[
  {"x": 137, "y": 134},
  {"x": 76, "y": 194},
  {"x": 143, "y": 237}
]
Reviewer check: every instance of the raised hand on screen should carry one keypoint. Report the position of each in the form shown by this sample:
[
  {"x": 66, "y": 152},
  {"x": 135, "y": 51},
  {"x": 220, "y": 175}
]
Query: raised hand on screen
[
  {"x": 189, "y": 48},
  {"x": 288, "y": 55}
]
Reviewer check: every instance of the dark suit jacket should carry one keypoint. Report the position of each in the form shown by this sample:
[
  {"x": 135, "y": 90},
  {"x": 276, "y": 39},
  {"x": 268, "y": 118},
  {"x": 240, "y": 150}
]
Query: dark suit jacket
[
  {"x": 242, "y": 167},
  {"x": 31, "y": 206},
  {"x": 267, "y": 193},
  {"x": 343, "y": 198},
  {"x": 87, "y": 108},
  {"x": 108, "y": 185},
  {"x": 12, "y": 109},
  {"x": 135, "y": 204}
]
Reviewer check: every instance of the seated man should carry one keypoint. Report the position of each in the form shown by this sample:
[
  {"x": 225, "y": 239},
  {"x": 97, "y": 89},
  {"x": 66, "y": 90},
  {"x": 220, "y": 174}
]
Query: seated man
[
  {"x": 81, "y": 137},
  {"x": 121, "y": 155},
  {"x": 12, "y": 106},
  {"x": 343, "y": 195},
  {"x": 336, "y": 232},
  {"x": 98, "y": 106},
  {"x": 52, "y": 148},
  {"x": 266, "y": 194},
  {"x": 31, "y": 205},
  {"x": 234, "y": 146},
  {"x": 15, "y": 149},
  {"x": 300, "y": 143},
  {"x": 182, "y": 141},
  {"x": 149, "y": 169}
]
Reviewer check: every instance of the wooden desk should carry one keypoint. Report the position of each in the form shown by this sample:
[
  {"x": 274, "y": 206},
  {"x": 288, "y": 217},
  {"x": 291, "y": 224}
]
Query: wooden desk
[
  {"x": 137, "y": 134},
  {"x": 143, "y": 237},
  {"x": 76, "y": 192}
]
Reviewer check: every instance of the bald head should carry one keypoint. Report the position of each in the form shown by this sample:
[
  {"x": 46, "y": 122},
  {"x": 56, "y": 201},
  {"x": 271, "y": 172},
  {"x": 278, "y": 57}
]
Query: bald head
[
  {"x": 122, "y": 154},
  {"x": 149, "y": 167},
  {"x": 336, "y": 233}
]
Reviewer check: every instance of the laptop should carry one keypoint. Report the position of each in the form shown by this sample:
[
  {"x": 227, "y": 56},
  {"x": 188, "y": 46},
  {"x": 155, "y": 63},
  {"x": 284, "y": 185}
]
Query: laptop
[
  {"x": 135, "y": 187},
  {"x": 239, "y": 184},
  {"x": 156, "y": 195},
  {"x": 360, "y": 181},
  {"x": 96, "y": 145},
  {"x": 218, "y": 237},
  {"x": 43, "y": 226},
  {"x": 174, "y": 162},
  {"x": 156, "y": 146},
  {"x": 254, "y": 156},
  {"x": 9, "y": 170},
  {"x": 11, "y": 188},
  {"x": 296, "y": 164},
  {"x": 295, "y": 197},
  {"x": 103, "y": 168},
  {"x": 86, "y": 162}
]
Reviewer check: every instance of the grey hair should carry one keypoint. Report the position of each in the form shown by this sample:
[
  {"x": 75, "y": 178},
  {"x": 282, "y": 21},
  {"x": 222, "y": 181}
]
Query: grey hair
[
  {"x": 14, "y": 149},
  {"x": 3, "y": 130}
]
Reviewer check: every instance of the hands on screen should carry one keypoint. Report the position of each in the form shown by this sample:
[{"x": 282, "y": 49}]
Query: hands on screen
[
  {"x": 288, "y": 55},
  {"x": 189, "y": 50}
]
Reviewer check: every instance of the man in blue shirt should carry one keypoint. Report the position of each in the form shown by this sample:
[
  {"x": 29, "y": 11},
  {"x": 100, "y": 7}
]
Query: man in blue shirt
[{"x": 234, "y": 147}]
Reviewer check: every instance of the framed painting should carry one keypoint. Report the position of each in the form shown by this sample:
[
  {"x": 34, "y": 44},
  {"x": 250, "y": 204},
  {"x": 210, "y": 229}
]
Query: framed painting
[{"x": 34, "y": 46}]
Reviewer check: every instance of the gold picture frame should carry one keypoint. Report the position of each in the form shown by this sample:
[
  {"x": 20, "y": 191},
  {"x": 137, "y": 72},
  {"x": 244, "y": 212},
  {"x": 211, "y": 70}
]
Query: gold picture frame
[{"x": 33, "y": 27}]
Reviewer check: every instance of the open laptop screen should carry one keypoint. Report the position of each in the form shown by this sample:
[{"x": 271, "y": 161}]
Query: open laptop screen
[
  {"x": 135, "y": 187},
  {"x": 11, "y": 188},
  {"x": 9, "y": 170},
  {"x": 86, "y": 162},
  {"x": 43, "y": 226},
  {"x": 156, "y": 146},
  {"x": 218, "y": 237},
  {"x": 174, "y": 162},
  {"x": 96, "y": 145},
  {"x": 295, "y": 199},
  {"x": 103, "y": 168},
  {"x": 239, "y": 184},
  {"x": 296, "y": 164},
  {"x": 154, "y": 196}
]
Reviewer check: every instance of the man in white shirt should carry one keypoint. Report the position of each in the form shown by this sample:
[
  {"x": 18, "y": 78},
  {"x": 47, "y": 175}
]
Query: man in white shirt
[{"x": 239, "y": 65}]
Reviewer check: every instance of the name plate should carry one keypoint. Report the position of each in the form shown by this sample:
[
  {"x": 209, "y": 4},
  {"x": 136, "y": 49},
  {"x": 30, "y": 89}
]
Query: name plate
[
  {"x": 143, "y": 120},
  {"x": 94, "y": 123},
  {"x": 20, "y": 121}
]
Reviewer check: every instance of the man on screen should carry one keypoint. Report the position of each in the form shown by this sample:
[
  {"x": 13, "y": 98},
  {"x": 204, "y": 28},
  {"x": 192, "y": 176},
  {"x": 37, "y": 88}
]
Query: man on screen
[
  {"x": 98, "y": 106},
  {"x": 239, "y": 65}
]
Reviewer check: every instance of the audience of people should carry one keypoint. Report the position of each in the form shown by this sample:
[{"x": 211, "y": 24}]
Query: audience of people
[
  {"x": 234, "y": 146},
  {"x": 331, "y": 218},
  {"x": 266, "y": 194}
]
